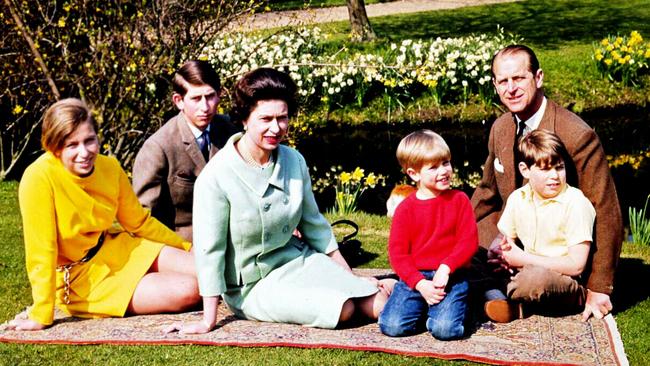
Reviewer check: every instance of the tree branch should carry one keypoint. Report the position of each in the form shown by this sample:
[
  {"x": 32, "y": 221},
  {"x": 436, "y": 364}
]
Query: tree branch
[{"x": 32, "y": 47}]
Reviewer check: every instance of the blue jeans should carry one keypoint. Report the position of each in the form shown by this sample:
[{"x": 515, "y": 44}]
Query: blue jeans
[{"x": 407, "y": 313}]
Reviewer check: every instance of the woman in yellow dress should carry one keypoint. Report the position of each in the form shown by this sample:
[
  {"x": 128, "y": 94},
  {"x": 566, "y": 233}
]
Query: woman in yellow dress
[{"x": 77, "y": 257}]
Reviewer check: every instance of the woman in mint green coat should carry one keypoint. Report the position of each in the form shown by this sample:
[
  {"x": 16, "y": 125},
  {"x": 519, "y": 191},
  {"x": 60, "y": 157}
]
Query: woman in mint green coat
[{"x": 248, "y": 202}]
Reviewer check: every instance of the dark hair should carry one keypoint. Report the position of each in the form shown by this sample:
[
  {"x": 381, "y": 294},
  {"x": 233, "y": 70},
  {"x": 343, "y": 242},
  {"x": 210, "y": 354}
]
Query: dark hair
[
  {"x": 542, "y": 148},
  {"x": 197, "y": 73},
  {"x": 61, "y": 120},
  {"x": 533, "y": 62},
  {"x": 262, "y": 84}
]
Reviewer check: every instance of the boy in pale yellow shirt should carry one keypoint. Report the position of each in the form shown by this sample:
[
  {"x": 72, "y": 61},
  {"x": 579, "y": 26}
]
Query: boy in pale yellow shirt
[{"x": 554, "y": 223}]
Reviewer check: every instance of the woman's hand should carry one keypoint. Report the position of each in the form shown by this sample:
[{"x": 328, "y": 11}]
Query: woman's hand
[
  {"x": 189, "y": 328},
  {"x": 209, "y": 322},
  {"x": 25, "y": 324}
]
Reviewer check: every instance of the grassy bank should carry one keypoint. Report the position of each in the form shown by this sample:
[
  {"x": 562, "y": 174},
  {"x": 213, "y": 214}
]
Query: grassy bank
[{"x": 632, "y": 313}]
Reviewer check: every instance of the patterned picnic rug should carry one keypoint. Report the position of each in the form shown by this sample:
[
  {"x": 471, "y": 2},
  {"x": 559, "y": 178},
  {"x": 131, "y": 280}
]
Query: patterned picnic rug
[{"x": 536, "y": 340}]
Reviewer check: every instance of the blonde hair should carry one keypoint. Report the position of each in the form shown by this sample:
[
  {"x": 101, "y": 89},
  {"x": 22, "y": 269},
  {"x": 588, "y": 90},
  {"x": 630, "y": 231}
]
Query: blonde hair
[
  {"x": 61, "y": 120},
  {"x": 422, "y": 147},
  {"x": 542, "y": 148}
]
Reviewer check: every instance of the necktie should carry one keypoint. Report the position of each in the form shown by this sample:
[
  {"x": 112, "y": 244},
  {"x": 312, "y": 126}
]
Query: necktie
[
  {"x": 205, "y": 145},
  {"x": 521, "y": 126}
]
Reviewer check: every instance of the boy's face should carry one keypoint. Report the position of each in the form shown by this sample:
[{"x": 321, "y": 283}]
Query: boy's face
[
  {"x": 432, "y": 179},
  {"x": 198, "y": 105},
  {"x": 547, "y": 182}
]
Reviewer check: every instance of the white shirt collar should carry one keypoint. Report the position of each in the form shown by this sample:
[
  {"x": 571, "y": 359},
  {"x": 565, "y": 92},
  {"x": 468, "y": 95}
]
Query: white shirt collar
[
  {"x": 533, "y": 122},
  {"x": 195, "y": 131}
]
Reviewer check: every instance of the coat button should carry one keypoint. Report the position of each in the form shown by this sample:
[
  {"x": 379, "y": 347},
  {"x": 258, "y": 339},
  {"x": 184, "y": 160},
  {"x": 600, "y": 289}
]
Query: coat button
[
  {"x": 285, "y": 200},
  {"x": 267, "y": 236},
  {"x": 267, "y": 206},
  {"x": 285, "y": 229}
]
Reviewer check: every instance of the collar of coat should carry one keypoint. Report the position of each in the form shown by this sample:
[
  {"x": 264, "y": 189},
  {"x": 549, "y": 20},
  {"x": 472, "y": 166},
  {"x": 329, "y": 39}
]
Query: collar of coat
[{"x": 255, "y": 178}]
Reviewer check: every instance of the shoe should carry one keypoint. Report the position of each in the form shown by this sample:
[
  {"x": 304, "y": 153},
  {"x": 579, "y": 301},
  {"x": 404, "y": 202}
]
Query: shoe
[{"x": 503, "y": 311}]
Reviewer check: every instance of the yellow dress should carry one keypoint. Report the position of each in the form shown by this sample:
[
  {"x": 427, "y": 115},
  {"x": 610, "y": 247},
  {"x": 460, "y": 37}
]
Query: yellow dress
[{"x": 63, "y": 217}]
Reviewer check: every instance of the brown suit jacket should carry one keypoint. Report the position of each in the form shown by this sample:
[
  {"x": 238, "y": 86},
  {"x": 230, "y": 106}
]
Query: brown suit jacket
[
  {"x": 588, "y": 171},
  {"x": 167, "y": 165}
]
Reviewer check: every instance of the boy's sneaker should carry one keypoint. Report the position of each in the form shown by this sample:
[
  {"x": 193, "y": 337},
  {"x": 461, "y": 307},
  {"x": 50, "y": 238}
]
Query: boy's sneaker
[{"x": 503, "y": 311}]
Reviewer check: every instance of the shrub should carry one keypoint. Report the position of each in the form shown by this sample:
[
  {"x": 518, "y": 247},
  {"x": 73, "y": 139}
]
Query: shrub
[
  {"x": 622, "y": 59},
  {"x": 117, "y": 56},
  {"x": 450, "y": 69}
]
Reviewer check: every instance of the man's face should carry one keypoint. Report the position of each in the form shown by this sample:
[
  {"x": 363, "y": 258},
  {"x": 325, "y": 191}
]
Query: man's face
[
  {"x": 198, "y": 105},
  {"x": 519, "y": 90}
]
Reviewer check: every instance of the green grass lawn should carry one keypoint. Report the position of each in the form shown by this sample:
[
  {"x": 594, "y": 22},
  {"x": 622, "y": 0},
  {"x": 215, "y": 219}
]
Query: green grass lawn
[
  {"x": 632, "y": 312},
  {"x": 561, "y": 32}
]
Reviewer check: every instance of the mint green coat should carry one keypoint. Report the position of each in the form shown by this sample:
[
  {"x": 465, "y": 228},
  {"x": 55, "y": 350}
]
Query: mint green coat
[{"x": 243, "y": 220}]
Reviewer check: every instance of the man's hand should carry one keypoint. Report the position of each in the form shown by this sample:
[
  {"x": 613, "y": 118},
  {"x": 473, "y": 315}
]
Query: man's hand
[{"x": 597, "y": 304}]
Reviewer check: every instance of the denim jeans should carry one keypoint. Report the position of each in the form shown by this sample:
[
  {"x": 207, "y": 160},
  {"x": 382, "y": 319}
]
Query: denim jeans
[{"x": 407, "y": 313}]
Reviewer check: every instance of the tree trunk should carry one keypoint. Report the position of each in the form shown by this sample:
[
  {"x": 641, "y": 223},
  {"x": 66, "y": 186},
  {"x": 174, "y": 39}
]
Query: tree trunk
[{"x": 359, "y": 23}]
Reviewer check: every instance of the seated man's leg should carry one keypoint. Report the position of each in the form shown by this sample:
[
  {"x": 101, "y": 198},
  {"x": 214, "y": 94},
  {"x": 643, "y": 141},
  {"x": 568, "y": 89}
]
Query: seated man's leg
[
  {"x": 548, "y": 291},
  {"x": 446, "y": 320},
  {"x": 404, "y": 312}
]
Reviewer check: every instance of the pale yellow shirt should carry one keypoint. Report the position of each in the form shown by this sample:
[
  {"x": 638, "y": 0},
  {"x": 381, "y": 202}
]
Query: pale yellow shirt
[{"x": 548, "y": 227}]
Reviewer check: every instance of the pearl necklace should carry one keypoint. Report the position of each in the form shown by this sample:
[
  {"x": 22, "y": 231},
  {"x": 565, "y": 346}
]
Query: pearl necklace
[{"x": 248, "y": 158}]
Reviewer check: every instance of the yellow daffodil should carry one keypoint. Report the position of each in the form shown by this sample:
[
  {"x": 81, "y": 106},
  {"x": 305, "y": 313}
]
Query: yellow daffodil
[
  {"x": 345, "y": 177},
  {"x": 371, "y": 180},
  {"x": 17, "y": 109},
  {"x": 357, "y": 174},
  {"x": 608, "y": 62},
  {"x": 604, "y": 42}
]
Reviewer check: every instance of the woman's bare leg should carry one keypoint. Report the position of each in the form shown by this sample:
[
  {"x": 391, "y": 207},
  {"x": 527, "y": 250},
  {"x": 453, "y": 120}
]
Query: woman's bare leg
[
  {"x": 164, "y": 292},
  {"x": 173, "y": 259},
  {"x": 371, "y": 306},
  {"x": 169, "y": 286},
  {"x": 347, "y": 311}
]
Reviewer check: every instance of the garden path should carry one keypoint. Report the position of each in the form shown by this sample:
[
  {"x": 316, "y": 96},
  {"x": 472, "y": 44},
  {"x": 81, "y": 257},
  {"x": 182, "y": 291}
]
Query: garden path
[{"x": 340, "y": 13}]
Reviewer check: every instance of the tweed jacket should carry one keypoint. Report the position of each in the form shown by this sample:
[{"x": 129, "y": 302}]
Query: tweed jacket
[
  {"x": 244, "y": 219},
  {"x": 166, "y": 168},
  {"x": 588, "y": 171}
]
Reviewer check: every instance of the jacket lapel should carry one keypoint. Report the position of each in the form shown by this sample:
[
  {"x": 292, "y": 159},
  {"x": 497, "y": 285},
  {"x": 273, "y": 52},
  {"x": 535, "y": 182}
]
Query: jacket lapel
[{"x": 191, "y": 148}]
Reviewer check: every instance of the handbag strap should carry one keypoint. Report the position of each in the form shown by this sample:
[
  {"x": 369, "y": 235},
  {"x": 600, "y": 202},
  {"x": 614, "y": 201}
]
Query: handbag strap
[{"x": 347, "y": 222}]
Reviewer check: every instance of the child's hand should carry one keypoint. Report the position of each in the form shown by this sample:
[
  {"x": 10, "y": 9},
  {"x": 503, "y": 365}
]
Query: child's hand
[
  {"x": 441, "y": 277},
  {"x": 512, "y": 254},
  {"x": 495, "y": 254},
  {"x": 431, "y": 294}
]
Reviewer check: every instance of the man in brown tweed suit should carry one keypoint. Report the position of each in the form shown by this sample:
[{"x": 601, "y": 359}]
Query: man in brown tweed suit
[
  {"x": 518, "y": 81},
  {"x": 172, "y": 158}
]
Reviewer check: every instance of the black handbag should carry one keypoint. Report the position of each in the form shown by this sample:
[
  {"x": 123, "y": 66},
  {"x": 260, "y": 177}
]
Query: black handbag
[{"x": 349, "y": 247}]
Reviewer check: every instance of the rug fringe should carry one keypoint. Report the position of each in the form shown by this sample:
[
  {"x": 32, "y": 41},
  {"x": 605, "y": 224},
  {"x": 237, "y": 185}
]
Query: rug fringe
[{"x": 615, "y": 337}]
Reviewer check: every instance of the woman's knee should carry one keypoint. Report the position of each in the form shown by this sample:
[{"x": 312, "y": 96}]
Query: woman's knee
[{"x": 187, "y": 294}]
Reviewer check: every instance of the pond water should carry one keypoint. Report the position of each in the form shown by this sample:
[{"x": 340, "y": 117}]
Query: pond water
[{"x": 624, "y": 130}]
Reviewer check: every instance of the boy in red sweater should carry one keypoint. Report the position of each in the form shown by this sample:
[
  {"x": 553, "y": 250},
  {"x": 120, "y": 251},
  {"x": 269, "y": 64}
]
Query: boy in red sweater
[{"x": 433, "y": 236}]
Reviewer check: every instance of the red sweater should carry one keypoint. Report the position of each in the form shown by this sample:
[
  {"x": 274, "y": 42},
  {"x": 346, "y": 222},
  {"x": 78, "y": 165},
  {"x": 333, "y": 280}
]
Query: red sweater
[{"x": 427, "y": 233}]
